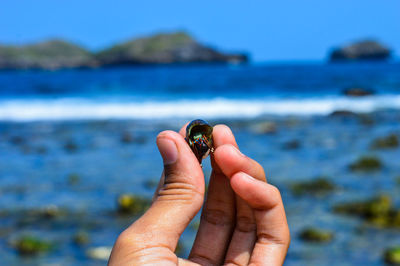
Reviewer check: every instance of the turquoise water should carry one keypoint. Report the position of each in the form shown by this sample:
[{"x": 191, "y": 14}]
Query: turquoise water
[{"x": 44, "y": 139}]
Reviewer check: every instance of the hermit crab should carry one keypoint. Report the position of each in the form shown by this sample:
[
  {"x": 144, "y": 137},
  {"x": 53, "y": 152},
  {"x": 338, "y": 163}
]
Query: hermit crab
[{"x": 199, "y": 138}]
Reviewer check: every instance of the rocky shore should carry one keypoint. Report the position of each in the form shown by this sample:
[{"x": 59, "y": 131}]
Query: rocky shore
[{"x": 163, "y": 48}]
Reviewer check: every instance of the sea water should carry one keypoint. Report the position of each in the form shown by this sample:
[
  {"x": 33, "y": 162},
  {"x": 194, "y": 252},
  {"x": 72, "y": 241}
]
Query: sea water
[{"x": 100, "y": 126}]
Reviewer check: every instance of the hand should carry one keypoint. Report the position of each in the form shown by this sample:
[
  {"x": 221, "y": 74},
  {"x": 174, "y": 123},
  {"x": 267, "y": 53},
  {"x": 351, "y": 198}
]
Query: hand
[{"x": 243, "y": 221}]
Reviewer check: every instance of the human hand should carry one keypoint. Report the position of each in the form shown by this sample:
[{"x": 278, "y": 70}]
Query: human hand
[{"x": 243, "y": 220}]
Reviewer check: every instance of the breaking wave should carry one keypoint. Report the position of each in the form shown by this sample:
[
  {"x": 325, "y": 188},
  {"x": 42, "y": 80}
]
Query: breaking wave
[{"x": 86, "y": 108}]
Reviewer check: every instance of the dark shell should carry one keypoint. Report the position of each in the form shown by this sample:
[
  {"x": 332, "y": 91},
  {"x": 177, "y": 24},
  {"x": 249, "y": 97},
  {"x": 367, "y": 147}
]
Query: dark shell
[
  {"x": 199, "y": 138},
  {"x": 199, "y": 125}
]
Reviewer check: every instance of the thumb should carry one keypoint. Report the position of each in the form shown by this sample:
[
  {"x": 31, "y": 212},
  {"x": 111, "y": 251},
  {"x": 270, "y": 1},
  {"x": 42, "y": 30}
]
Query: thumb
[{"x": 179, "y": 198}]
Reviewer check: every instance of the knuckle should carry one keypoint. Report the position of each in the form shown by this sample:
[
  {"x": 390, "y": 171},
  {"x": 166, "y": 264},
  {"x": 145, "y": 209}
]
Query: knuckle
[
  {"x": 125, "y": 239},
  {"x": 245, "y": 224},
  {"x": 275, "y": 192},
  {"x": 270, "y": 239},
  {"x": 233, "y": 263},
  {"x": 217, "y": 217},
  {"x": 178, "y": 191}
]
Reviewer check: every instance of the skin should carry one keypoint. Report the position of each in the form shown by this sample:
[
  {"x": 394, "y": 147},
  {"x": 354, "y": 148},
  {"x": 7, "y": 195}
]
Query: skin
[{"x": 243, "y": 220}]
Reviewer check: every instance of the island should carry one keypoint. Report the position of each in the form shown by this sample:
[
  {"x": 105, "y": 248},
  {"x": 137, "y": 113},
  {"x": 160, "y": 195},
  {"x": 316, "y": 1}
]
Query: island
[
  {"x": 177, "y": 47},
  {"x": 162, "y": 48},
  {"x": 50, "y": 54},
  {"x": 366, "y": 50}
]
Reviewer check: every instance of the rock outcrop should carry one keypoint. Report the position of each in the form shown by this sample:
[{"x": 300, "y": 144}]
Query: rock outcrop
[
  {"x": 52, "y": 54},
  {"x": 358, "y": 92},
  {"x": 167, "y": 48},
  {"x": 176, "y": 47},
  {"x": 362, "y": 50}
]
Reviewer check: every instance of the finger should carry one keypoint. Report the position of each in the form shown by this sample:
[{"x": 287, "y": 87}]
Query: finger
[
  {"x": 177, "y": 202},
  {"x": 182, "y": 132},
  {"x": 217, "y": 219},
  {"x": 183, "y": 262},
  {"x": 244, "y": 235},
  {"x": 273, "y": 237},
  {"x": 159, "y": 187},
  {"x": 231, "y": 161}
]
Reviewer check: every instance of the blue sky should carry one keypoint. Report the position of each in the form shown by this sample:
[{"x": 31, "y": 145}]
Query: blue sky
[{"x": 269, "y": 30}]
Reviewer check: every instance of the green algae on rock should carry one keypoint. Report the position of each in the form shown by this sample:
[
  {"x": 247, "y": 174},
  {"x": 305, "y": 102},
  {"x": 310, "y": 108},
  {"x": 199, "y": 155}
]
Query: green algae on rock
[
  {"x": 264, "y": 127},
  {"x": 366, "y": 163},
  {"x": 378, "y": 211},
  {"x": 31, "y": 245},
  {"x": 312, "y": 234},
  {"x": 389, "y": 142},
  {"x": 392, "y": 256},
  {"x": 180, "y": 249},
  {"x": 318, "y": 186},
  {"x": 73, "y": 178},
  {"x": 81, "y": 238},
  {"x": 132, "y": 204},
  {"x": 150, "y": 183}
]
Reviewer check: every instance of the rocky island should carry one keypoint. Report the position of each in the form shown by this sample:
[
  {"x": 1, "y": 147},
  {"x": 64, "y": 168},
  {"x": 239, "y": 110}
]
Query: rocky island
[
  {"x": 363, "y": 50},
  {"x": 51, "y": 54},
  {"x": 163, "y": 48}
]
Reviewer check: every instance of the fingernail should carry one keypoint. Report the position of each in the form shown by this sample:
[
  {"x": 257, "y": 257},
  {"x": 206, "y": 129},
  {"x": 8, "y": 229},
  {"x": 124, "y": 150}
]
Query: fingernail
[{"x": 168, "y": 150}]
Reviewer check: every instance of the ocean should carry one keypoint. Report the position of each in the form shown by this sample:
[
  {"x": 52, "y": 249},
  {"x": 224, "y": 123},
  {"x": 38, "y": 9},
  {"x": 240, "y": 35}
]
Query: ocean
[
  {"x": 72, "y": 141},
  {"x": 212, "y": 91}
]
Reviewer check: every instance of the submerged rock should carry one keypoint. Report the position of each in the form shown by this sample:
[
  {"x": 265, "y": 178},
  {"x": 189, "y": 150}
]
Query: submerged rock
[
  {"x": 316, "y": 235},
  {"x": 17, "y": 140},
  {"x": 131, "y": 204},
  {"x": 388, "y": 142},
  {"x": 392, "y": 256},
  {"x": 356, "y": 92},
  {"x": 128, "y": 138},
  {"x": 366, "y": 163},
  {"x": 180, "y": 249},
  {"x": 378, "y": 211},
  {"x": 74, "y": 178},
  {"x": 150, "y": 183},
  {"x": 265, "y": 127},
  {"x": 81, "y": 238},
  {"x": 71, "y": 146},
  {"x": 362, "y": 50},
  {"x": 194, "y": 225},
  {"x": 291, "y": 145},
  {"x": 99, "y": 253},
  {"x": 343, "y": 113},
  {"x": 31, "y": 245},
  {"x": 318, "y": 186}
]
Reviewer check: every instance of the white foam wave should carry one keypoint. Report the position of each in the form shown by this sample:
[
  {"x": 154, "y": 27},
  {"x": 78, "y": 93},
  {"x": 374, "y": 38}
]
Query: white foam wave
[{"x": 72, "y": 109}]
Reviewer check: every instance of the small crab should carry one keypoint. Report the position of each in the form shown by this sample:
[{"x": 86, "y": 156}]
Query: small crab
[{"x": 199, "y": 138}]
